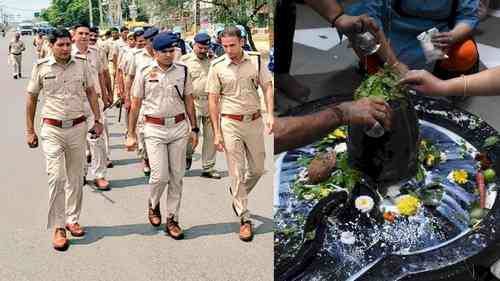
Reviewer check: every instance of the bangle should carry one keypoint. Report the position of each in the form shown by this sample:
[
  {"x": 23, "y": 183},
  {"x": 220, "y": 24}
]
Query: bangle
[
  {"x": 338, "y": 113},
  {"x": 466, "y": 85},
  {"x": 336, "y": 18}
]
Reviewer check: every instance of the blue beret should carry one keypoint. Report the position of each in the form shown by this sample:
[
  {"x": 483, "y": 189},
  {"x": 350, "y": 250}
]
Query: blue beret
[
  {"x": 164, "y": 40},
  {"x": 151, "y": 32},
  {"x": 202, "y": 38}
]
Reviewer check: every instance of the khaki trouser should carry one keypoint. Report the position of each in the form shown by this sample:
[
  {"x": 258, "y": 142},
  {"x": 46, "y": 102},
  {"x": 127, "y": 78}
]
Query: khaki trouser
[
  {"x": 245, "y": 154},
  {"x": 142, "y": 151},
  {"x": 113, "y": 81},
  {"x": 167, "y": 157},
  {"x": 16, "y": 62},
  {"x": 208, "y": 151},
  {"x": 97, "y": 146},
  {"x": 64, "y": 151}
]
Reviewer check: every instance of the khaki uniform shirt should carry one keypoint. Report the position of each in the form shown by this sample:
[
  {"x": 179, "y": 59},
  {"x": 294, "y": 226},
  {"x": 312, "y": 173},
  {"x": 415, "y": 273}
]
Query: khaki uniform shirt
[
  {"x": 157, "y": 88},
  {"x": 124, "y": 58},
  {"x": 140, "y": 60},
  {"x": 63, "y": 86},
  {"x": 117, "y": 47},
  {"x": 95, "y": 65},
  {"x": 198, "y": 72},
  {"x": 237, "y": 84},
  {"x": 16, "y": 48}
]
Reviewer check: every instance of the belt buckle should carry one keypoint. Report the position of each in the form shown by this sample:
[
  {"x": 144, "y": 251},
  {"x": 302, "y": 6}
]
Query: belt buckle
[
  {"x": 247, "y": 117},
  {"x": 67, "y": 124},
  {"x": 169, "y": 121}
]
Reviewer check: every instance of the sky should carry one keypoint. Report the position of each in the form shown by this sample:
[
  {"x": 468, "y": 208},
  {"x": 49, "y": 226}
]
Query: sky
[{"x": 24, "y": 8}]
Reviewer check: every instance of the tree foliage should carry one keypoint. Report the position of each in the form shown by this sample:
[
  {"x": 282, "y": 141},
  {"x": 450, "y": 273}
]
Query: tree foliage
[{"x": 70, "y": 12}]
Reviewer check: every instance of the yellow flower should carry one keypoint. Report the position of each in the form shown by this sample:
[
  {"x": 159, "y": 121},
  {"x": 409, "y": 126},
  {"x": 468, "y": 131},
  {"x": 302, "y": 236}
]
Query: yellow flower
[
  {"x": 408, "y": 205},
  {"x": 430, "y": 160},
  {"x": 339, "y": 133},
  {"x": 460, "y": 176},
  {"x": 423, "y": 144}
]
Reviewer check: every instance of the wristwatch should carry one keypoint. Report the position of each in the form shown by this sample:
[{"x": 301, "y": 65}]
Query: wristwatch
[{"x": 195, "y": 130}]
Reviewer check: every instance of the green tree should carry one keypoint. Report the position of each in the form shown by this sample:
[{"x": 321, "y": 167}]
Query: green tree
[
  {"x": 242, "y": 12},
  {"x": 70, "y": 12}
]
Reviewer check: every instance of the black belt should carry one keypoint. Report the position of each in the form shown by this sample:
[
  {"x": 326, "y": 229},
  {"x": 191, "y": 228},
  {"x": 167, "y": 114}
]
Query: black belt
[{"x": 17, "y": 54}]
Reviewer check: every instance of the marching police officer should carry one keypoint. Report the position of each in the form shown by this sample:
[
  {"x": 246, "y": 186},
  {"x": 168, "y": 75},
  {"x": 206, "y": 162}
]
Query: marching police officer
[
  {"x": 142, "y": 57},
  {"x": 198, "y": 65},
  {"x": 232, "y": 86},
  {"x": 165, "y": 90},
  {"x": 64, "y": 80},
  {"x": 16, "y": 49},
  {"x": 97, "y": 145}
]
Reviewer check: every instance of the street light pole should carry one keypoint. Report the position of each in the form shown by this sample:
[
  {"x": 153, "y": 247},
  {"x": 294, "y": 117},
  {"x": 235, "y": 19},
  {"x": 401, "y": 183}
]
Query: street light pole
[
  {"x": 90, "y": 13},
  {"x": 101, "y": 17}
]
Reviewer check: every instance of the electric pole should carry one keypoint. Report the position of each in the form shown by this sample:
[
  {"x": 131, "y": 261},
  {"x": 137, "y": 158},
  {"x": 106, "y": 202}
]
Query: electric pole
[{"x": 90, "y": 14}]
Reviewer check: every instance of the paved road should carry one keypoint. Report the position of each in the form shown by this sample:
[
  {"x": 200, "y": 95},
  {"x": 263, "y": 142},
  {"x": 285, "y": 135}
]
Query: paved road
[{"x": 120, "y": 244}]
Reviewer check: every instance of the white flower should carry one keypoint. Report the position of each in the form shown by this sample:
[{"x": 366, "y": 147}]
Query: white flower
[
  {"x": 341, "y": 147},
  {"x": 393, "y": 191},
  {"x": 364, "y": 203},
  {"x": 347, "y": 237}
]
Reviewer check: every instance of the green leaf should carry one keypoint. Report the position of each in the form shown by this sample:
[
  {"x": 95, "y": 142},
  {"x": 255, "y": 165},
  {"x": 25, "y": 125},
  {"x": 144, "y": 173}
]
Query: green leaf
[
  {"x": 491, "y": 141},
  {"x": 309, "y": 236}
]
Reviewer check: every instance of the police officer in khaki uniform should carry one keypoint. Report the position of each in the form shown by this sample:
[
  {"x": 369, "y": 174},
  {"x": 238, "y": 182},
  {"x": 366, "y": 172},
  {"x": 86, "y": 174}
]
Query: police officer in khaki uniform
[
  {"x": 198, "y": 65},
  {"x": 93, "y": 41},
  {"x": 65, "y": 81},
  {"x": 97, "y": 145},
  {"x": 16, "y": 49},
  {"x": 142, "y": 57},
  {"x": 234, "y": 106},
  {"x": 164, "y": 89}
]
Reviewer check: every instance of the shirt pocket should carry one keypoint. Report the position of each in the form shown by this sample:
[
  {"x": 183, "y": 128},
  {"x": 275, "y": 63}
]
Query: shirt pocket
[
  {"x": 228, "y": 83},
  {"x": 49, "y": 84}
]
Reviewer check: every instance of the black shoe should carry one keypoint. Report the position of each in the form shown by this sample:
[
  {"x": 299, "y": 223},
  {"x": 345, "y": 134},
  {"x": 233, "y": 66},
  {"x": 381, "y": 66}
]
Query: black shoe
[
  {"x": 110, "y": 165},
  {"x": 19, "y": 75},
  {"x": 211, "y": 175},
  {"x": 189, "y": 162},
  {"x": 15, "y": 76},
  {"x": 84, "y": 180},
  {"x": 89, "y": 158}
]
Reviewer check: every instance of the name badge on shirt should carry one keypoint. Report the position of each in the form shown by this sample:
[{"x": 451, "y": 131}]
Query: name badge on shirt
[
  {"x": 154, "y": 81},
  {"x": 49, "y": 77}
]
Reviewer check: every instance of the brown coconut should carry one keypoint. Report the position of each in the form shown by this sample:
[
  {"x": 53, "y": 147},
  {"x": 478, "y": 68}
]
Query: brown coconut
[{"x": 321, "y": 167}]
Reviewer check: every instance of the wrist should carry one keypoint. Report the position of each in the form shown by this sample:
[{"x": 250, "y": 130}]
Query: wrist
[
  {"x": 338, "y": 111},
  {"x": 335, "y": 18},
  {"x": 195, "y": 130}
]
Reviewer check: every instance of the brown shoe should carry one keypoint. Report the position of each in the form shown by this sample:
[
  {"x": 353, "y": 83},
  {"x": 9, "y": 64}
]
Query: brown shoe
[
  {"x": 173, "y": 229},
  {"x": 75, "y": 229},
  {"x": 154, "y": 215},
  {"x": 102, "y": 184},
  {"x": 60, "y": 242},
  {"x": 246, "y": 233}
]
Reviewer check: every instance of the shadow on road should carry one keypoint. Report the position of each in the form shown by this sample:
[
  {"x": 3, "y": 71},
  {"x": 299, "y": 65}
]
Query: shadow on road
[
  {"x": 264, "y": 225},
  {"x": 123, "y": 162},
  {"x": 127, "y": 182},
  {"x": 117, "y": 135},
  {"x": 197, "y": 173},
  {"x": 117, "y": 146},
  {"x": 96, "y": 233}
]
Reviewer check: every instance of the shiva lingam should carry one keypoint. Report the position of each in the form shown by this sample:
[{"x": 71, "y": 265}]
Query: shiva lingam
[{"x": 390, "y": 157}]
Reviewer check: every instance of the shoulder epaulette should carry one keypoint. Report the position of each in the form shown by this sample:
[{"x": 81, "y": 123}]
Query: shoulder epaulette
[
  {"x": 253, "y": 53},
  {"x": 40, "y": 61},
  {"x": 80, "y": 57},
  {"x": 218, "y": 60}
]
